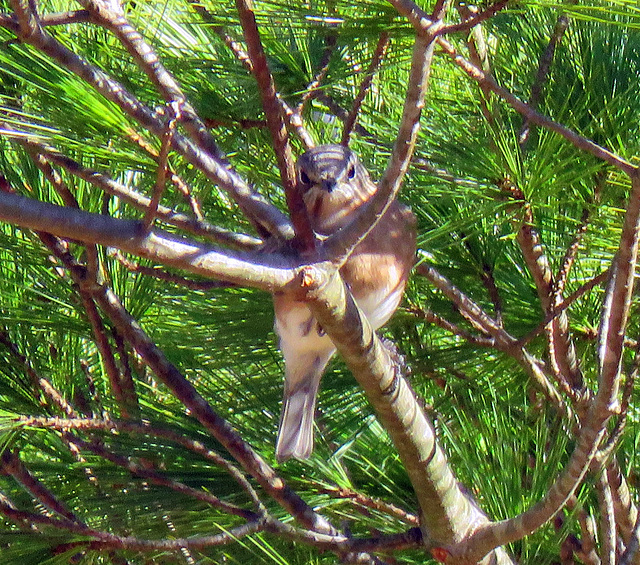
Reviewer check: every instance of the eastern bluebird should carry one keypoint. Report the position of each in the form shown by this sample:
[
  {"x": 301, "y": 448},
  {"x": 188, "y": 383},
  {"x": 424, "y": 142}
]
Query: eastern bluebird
[{"x": 334, "y": 185}]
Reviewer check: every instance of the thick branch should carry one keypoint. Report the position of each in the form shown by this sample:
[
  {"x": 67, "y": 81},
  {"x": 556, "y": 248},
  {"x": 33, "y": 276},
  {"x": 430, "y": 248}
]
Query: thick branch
[
  {"x": 268, "y": 272},
  {"x": 448, "y": 514}
]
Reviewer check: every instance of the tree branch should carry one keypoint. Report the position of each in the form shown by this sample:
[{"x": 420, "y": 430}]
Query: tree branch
[
  {"x": 422, "y": 22},
  {"x": 611, "y": 337},
  {"x": 275, "y": 121},
  {"x": 268, "y": 272},
  {"x": 365, "y": 85},
  {"x": 448, "y": 514},
  {"x": 131, "y": 197},
  {"x": 11, "y": 464},
  {"x": 259, "y": 210},
  {"x": 339, "y": 246}
]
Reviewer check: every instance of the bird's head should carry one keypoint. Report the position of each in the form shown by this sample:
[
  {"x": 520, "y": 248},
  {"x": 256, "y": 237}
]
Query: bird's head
[{"x": 333, "y": 184}]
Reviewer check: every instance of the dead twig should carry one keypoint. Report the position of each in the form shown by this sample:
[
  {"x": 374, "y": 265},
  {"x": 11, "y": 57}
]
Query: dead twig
[{"x": 174, "y": 115}]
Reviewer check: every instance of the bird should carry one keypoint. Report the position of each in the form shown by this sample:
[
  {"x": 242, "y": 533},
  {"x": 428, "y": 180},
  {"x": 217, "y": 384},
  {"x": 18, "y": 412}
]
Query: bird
[{"x": 334, "y": 185}]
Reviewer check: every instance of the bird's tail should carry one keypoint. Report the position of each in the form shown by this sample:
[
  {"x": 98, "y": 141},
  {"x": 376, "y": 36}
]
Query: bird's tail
[{"x": 295, "y": 436}]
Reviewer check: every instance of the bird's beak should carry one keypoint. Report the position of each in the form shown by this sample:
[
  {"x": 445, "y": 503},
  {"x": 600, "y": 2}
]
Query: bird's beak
[{"x": 329, "y": 185}]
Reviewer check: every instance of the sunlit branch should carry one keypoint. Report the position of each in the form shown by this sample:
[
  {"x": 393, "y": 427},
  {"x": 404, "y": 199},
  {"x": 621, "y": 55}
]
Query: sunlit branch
[
  {"x": 268, "y": 272},
  {"x": 160, "y": 274},
  {"x": 339, "y": 246}
]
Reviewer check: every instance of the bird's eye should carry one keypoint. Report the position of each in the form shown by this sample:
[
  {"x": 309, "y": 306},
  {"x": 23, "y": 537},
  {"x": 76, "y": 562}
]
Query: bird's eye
[
  {"x": 304, "y": 178},
  {"x": 351, "y": 172}
]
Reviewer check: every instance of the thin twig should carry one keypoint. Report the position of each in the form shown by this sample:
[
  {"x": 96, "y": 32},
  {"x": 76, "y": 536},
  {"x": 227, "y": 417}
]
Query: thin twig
[
  {"x": 562, "y": 306},
  {"x": 102, "y": 343},
  {"x": 38, "y": 382},
  {"x": 174, "y": 115},
  {"x": 371, "y": 503},
  {"x": 145, "y": 471},
  {"x": 469, "y": 309},
  {"x": 175, "y": 179},
  {"x": 9, "y": 21},
  {"x": 544, "y": 66},
  {"x": 562, "y": 356},
  {"x": 330, "y": 42},
  {"x": 433, "y": 318},
  {"x": 489, "y": 283},
  {"x": 127, "y": 382},
  {"x": 480, "y": 17},
  {"x": 572, "y": 250},
  {"x": 145, "y": 428},
  {"x": 376, "y": 60}
]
